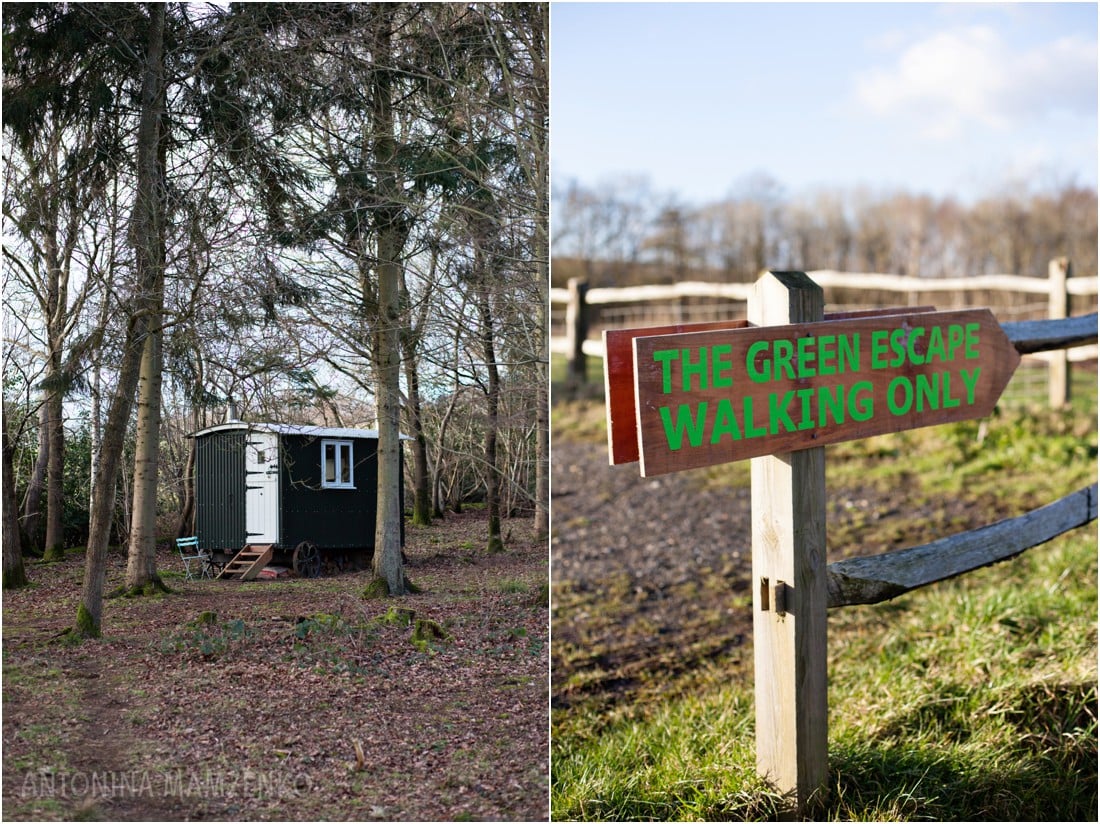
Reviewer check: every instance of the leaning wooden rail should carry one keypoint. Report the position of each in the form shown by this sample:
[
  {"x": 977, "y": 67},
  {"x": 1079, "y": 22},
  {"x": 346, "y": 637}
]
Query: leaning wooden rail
[{"x": 880, "y": 577}]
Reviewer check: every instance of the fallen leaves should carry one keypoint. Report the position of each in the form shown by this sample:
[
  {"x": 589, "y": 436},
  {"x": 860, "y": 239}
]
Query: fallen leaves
[{"x": 342, "y": 718}]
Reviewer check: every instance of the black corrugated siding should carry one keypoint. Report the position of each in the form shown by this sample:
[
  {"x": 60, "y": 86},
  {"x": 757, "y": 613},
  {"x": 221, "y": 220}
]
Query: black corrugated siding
[
  {"x": 329, "y": 518},
  {"x": 219, "y": 490}
]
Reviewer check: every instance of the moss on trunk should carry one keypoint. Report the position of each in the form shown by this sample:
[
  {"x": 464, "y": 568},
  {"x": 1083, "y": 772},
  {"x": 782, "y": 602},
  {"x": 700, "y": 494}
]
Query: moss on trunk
[
  {"x": 16, "y": 576},
  {"x": 86, "y": 627},
  {"x": 154, "y": 586},
  {"x": 379, "y": 588}
]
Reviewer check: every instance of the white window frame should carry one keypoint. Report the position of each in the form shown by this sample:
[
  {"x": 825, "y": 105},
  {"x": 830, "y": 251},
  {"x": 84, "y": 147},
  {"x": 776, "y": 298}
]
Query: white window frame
[{"x": 338, "y": 453}]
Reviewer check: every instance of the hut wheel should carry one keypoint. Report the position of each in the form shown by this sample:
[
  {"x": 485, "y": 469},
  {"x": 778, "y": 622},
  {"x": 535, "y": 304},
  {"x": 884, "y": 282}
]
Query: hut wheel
[{"x": 307, "y": 560}]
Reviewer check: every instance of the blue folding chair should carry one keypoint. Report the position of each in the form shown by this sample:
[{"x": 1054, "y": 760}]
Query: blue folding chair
[{"x": 189, "y": 551}]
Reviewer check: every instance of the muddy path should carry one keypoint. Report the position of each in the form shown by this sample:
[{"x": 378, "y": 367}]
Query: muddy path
[{"x": 651, "y": 575}]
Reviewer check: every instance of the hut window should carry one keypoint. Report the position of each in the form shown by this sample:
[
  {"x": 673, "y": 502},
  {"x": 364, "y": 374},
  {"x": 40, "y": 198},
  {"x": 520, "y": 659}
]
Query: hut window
[{"x": 336, "y": 464}]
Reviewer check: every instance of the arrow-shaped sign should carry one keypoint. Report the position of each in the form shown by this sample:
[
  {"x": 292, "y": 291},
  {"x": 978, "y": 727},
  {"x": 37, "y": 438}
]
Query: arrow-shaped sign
[
  {"x": 622, "y": 411},
  {"x": 718, "y": 396}
]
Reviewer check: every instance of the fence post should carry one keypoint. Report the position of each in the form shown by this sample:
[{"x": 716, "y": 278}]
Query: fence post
[
  {"x": 1058, "y": 272},
  {"x": 789, "y": 583},
  {"x": 576, "y": 330}
]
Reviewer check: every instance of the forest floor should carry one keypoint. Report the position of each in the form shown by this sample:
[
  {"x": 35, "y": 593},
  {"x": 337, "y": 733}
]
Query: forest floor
[{"x": 286, "y": 699}]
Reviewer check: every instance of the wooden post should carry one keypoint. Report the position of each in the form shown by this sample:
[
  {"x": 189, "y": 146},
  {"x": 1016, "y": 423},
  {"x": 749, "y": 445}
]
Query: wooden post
[
  {"x": 576, "y": 330},
  {"x": 1058, "y": 364},
  {"x": 789, "y": 582}
]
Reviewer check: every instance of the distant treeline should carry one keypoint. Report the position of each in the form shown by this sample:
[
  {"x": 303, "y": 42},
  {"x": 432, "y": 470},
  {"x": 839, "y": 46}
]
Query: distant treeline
[{"x": 622, "y": 233}]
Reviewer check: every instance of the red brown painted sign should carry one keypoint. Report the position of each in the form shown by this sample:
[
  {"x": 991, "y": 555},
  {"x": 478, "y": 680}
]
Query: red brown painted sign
[
  {"x": 712, "y": 397},
  {"x": 622, "y": 411}
]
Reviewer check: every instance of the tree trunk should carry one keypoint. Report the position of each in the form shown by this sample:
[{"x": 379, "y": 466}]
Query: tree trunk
[
  {"x": 492, "y": 401},
  {"x": 55, "y": 489},
  {"x": 422, "y": 498},
  {"x": 542, "y": 392},
  {"x": 36, "y": 485},
  {"x": 186, "y": 524},
  {"x": 141, "y": 567},
  {"x": 96, "y": 427},
  {"x": 15, "y": 575},
  {"x": 437, "y": 472},
  {"x": 542, "y": 457},
  {"x": 386, "y": 355},
  {"x": 147, "y": 233}
]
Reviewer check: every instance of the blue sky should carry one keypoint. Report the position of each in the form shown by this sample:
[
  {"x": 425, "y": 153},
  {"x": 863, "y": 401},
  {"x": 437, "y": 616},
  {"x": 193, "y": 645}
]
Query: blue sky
[{"x": 944, "y": 99}]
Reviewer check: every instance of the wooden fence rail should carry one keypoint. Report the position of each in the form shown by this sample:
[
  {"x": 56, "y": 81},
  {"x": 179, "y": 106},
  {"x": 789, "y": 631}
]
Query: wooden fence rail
[
  {"x": 1057, "y": 287},
  {"x": 881, "y": 577}
]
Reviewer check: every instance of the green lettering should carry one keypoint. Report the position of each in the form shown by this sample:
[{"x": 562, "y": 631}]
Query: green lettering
[
  {"x": 697, "y": 369},
  {"x": 954, "y": 340},
  {"x": 684, "y": 424},
  {"x": 891, "y": 396},
  {"x": 718, "y": 364},
  {"x": 751, "y": 429},
  {"x": 970, "y": 380},
  {"x": 861, "y": 408},
  {"x": 928, "y": 391},
  {"x": 665, "y": 357},
  {"x": 948, "y": 401},
  {"x": 914, "y": 355},
  {"x": 971, "y": 350},
  {"x": 807, "y": 421},
  {"x": 935, "y": 344},
  {"x": 897, "y": 343},
  {"x": 827, "y": 402},
  {"x": 849, "y": 353},
  {"x": 826, "y": 354},
  {"x": 755, "y": 375},
  {"x": 806, "y": 357},
  {"x": 784, "y": 352},
  {"x": 724, "y": 422},
  {"x": 878, "y": 348},
  {"x": 775, "y": 412}
]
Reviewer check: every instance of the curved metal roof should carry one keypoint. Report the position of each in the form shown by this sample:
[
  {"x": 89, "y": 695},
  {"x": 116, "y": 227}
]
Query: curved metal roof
[{"x": 308, "y": 430}]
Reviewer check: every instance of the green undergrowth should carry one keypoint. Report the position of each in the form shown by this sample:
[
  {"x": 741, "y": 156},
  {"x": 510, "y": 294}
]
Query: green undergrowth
[
  {"x": 1031, "y": 451},
  {"x": 974, "y": 699},
  {"x": 324, "y": 641}
]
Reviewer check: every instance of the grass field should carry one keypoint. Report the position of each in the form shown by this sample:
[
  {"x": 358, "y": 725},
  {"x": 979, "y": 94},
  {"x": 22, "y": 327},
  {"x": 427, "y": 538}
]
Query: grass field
[{"x": 973, "y": 699}]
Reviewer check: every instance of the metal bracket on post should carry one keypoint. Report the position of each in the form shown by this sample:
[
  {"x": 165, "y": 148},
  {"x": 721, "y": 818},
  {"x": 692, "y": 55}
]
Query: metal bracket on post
[{"x": 773, "y": 594}]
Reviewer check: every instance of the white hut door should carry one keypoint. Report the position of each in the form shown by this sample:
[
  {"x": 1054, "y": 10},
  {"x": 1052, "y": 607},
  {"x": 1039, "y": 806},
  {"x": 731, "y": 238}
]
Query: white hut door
[{"x": 261, "y": 499}]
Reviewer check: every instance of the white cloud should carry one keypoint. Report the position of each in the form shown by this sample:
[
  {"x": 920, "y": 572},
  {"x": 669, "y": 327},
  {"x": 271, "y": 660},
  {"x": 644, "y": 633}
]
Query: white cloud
[{"x": 967, "y": 75}]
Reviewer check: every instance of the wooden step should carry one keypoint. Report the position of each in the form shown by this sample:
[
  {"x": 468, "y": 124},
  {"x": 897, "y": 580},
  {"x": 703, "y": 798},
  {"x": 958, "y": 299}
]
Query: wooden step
[{"x": 247, "y": 563}]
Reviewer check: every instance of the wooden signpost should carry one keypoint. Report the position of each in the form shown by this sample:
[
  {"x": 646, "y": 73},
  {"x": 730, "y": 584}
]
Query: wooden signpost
[{"x": 776, "y": 389}]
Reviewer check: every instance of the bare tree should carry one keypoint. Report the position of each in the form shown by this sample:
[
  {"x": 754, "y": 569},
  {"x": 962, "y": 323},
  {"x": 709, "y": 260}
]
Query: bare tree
[{"x": 147, "y": 239}]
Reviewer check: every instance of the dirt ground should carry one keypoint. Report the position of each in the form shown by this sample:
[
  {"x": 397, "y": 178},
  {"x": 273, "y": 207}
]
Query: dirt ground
[
  {"x": 291, "y": 699},
  {"x": 651, "y": 575}
]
